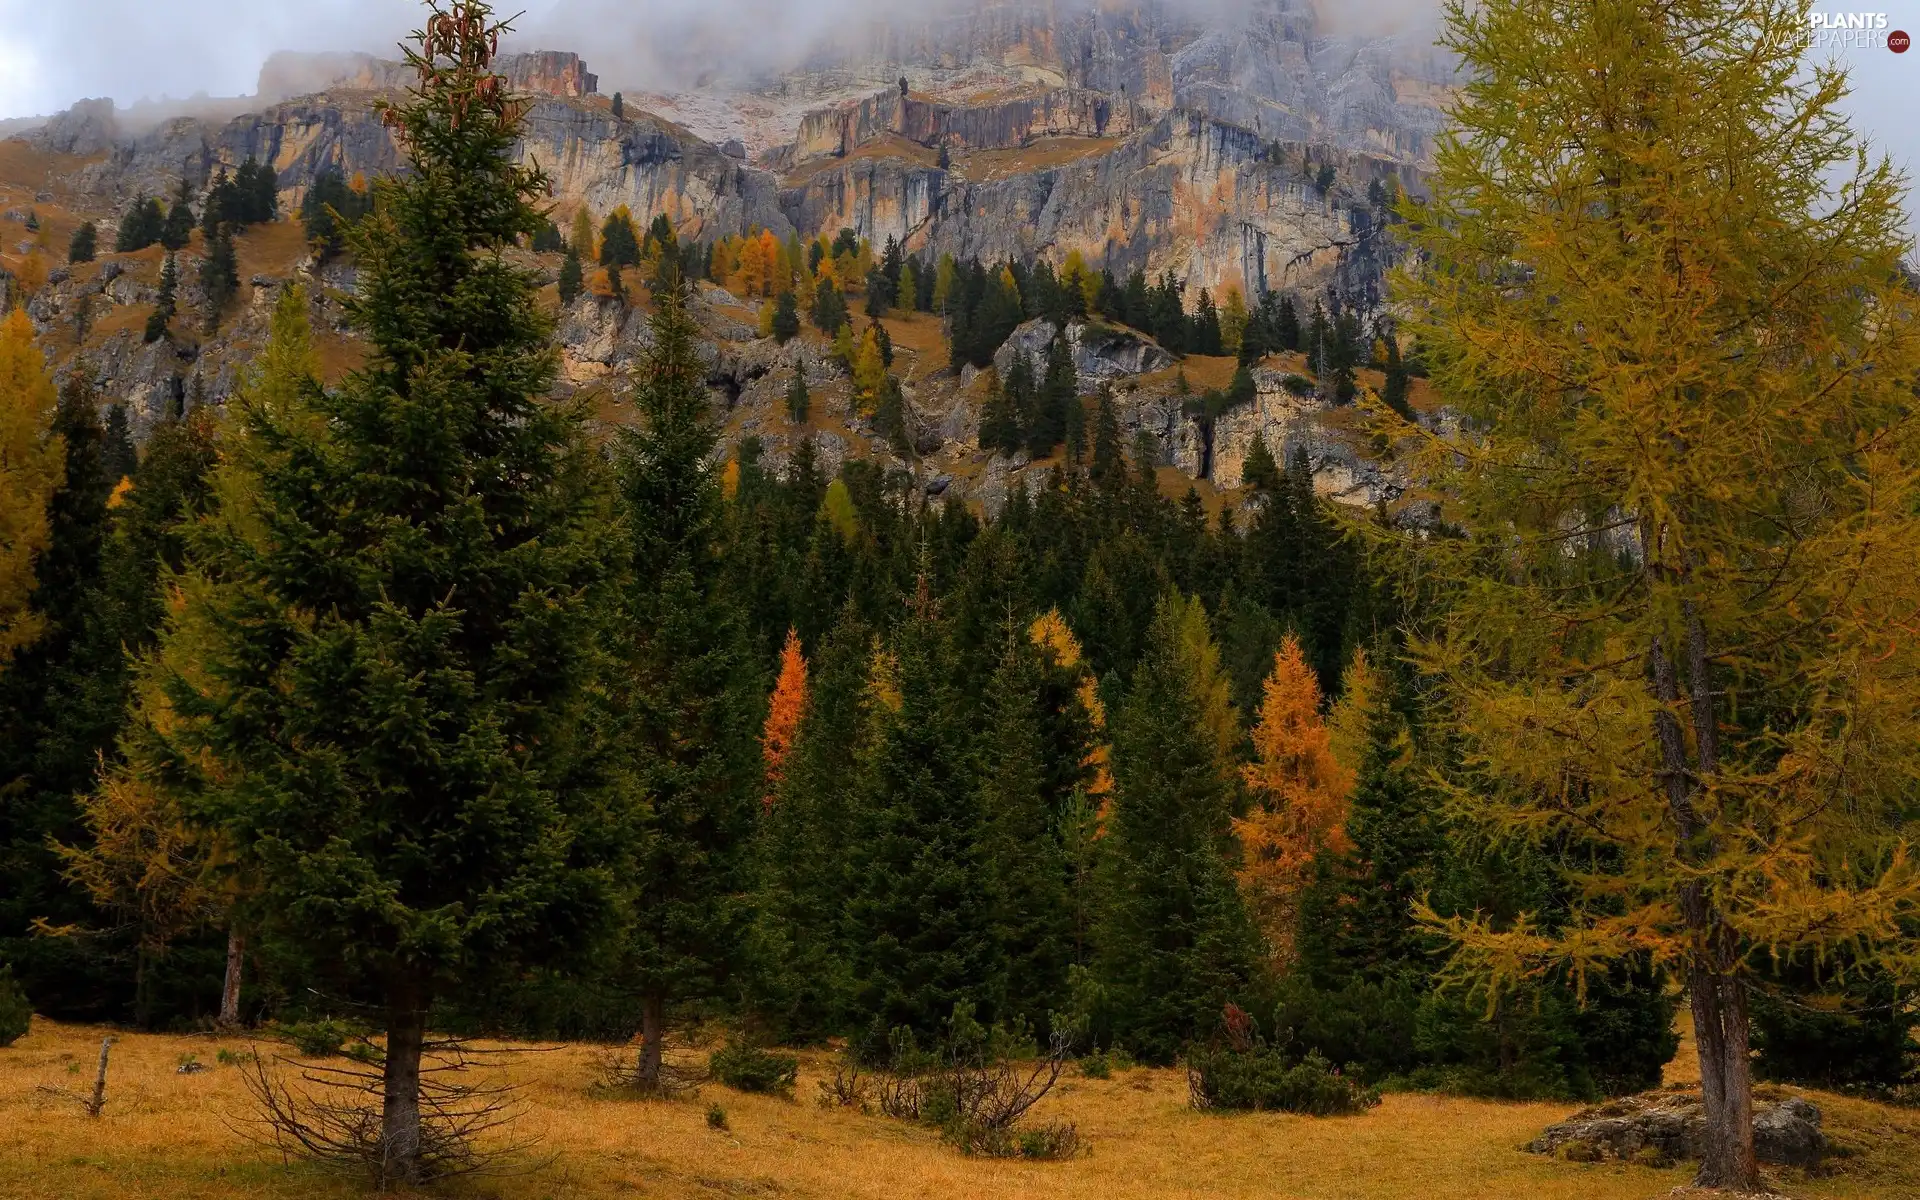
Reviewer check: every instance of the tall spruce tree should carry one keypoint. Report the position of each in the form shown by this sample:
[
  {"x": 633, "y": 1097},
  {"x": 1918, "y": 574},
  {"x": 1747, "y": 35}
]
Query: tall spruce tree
[
  {"x": 1026, "y": 869},
  {"x": 219, "y": 275},
  {"x": 693, "y": 702},
  {"x": 388, "y": 639},
  {"x": 163, "y": 305},
  {"x": 1174, "y": 942},
  {"x": 921, "y": 921}
]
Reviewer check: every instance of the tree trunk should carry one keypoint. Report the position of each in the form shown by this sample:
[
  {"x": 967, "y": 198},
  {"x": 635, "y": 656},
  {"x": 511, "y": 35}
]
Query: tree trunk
[
  {"x": 400, "y": 1098},
  {"x": 1726, "y": 1080},
  {"x": 230, "y": 990},
  {"x": 1717, "y": 993},
  {"x": 653, "y": 1029}
]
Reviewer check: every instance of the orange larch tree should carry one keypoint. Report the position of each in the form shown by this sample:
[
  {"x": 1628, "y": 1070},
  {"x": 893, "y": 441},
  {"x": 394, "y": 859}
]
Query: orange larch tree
[
  {"x": 784, "y": 711},
  {"x": 1299, "y": 791}
]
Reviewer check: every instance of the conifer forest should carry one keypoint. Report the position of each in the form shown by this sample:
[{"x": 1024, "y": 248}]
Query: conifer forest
[{"x": 437, "y": 700}]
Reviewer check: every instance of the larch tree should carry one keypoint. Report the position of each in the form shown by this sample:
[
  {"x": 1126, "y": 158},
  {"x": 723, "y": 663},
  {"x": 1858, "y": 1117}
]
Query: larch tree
[
  {"x": 32, "y": 468},
  {"x": 1299, "y": 792},
  {"x": 1662, "y": 288},
  {"x": 785, "y": 711},
  {"x": 385, "y": 661}
]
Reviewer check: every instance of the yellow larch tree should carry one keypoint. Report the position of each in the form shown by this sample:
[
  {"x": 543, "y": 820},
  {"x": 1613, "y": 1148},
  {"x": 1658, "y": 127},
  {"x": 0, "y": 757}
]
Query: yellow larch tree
[{"x": 33, "y": 465}]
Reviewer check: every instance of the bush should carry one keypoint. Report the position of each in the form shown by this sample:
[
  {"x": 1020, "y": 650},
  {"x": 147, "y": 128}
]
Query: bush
[
  {"x": 1262, "y": 1078},
  {"x": 717, "y": 1118},
  {"x": 316, "y": 1039},
  {"x": 978, "y": 1086},
  {"x": 1097, "y": 1065},
  {"x": 747, "y": 1069},
  {"x": 15, "y": 1013},
  {"x": 1299, "y": 385}
]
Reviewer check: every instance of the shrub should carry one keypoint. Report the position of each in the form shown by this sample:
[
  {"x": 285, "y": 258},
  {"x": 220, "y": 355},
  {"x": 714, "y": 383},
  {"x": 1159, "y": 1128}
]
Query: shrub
[
  {"x": 847, "y": 1087},
  {"x": 316, "y": 1039},
  {"x": 717, "y": 1118},
  {"x": 1262, "y": 1078},
  {"x": 1097, "y": 1065},
  {"x": 746, "y": 1069},
  {"x": 15, "y": 1013},
  {"x": 1299, "y": 385},
  {"x": 978, "y": 1086}
]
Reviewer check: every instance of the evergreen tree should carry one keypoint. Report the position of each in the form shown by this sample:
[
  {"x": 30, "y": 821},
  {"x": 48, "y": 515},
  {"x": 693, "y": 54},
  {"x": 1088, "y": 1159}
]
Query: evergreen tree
[
  {"x": 179, "y": 227},
  {"x": 1026, "y": 870},
  {"x": 999, "y": 422},
  {"x": 1174, "y": 942},
  {"x": 329, "y": 211},
  {"x": 1260, "y": 471},
  {"x": 1059, "y": 391},
  {"x": 163, "y": 304},
  {"x": 1108, "y": 464},
  {"x": 693, "y": 728},
  {"x": 921, "y": 921},
  {"x": 829, "y": 312},
  {"x": 797, "y": 399},
  {"x": 1394, "y": 391},
  {"x": 619, "y": 243},
  {"x": 219, "y": 275},
  {"x": 142, "y": 226},
  {"x": 224, "y": 203},
  {"x": 786, "y": 318},
  {"x": 619, "y": 107},
  {"x": 548, "y": 240},
  {"x": 258, "y": 192},
  {"x": 571, "y": 281},
  {"x": 398, "y": 751},
  {"x": 84, "y": 244}
]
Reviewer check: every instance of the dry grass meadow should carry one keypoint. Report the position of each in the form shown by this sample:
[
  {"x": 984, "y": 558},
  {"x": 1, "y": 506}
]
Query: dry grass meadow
[{"x": 165, "y": 1134}]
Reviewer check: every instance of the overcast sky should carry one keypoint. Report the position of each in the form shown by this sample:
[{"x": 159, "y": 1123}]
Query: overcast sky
[{"x": 53, "y": 52}]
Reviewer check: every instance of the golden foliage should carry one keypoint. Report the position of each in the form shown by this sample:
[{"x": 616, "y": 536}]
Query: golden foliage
[
  {"x": 1665, "y": 296},
  {"x": 141, "y": 861},
  {"x": 1049, "y": 632},
  {"x": 33, "y": 465},
  {"x": 1300, "y": 792},
  {"x": 784, "y": 713},
  {"x": 1347, "y": 724}
]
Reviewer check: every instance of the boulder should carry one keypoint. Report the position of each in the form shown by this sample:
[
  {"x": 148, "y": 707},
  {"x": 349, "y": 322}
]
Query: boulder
[{"x": 1670, "y": 1125}]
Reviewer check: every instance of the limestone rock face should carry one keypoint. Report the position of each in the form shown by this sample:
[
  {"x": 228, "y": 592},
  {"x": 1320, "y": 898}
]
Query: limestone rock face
[
  {"x": 290, "y": 73},
  {"x": 1188, "y": 194},
  {"x": 1100, "y": 354},
  {"x": 1671, "y": 1126},
  {"x": 993, "y": 125}
]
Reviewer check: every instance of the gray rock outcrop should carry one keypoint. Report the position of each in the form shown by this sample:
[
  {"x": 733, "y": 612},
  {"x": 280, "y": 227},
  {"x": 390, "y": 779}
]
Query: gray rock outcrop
[{"x": 1670, "y": 1126}]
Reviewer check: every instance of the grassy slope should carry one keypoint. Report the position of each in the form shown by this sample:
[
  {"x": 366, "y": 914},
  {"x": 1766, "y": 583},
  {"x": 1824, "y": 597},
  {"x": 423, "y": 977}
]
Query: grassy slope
[{"x": 170, "y": 1135}]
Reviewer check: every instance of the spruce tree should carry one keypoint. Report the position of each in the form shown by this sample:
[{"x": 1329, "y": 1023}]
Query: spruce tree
[
  {"x": 163, "y": 305},
  {"x": 225, "y": 203},
  {"x": 84, "y": 244},
  {"x": 142, "y": 225},
  {"x": 1174, "y": 941},
  {"x": 619, "y": 242},
  {"x": 786, "y": 318},
  {"x": 382, "y": 671},
  {"x": 693, "y": 721},
  {"x": 1108, "y": 464},
  {"x": 219, "y": 275},
  {"x": 571, "y": 281},
  {"x": 1026, "y": 869},
  {"x": 797, "y": 398},
  {"x": 178, "y": 228},
  {"x": 921, "y": 920}
]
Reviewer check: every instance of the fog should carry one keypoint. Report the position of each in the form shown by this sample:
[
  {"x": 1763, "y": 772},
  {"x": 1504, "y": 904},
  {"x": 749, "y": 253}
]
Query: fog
[{"x": 54, "y": 52}]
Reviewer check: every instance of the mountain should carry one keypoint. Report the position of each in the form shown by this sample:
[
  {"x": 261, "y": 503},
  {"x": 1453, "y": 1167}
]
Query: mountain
[{"x": 1136, "y": 134}]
